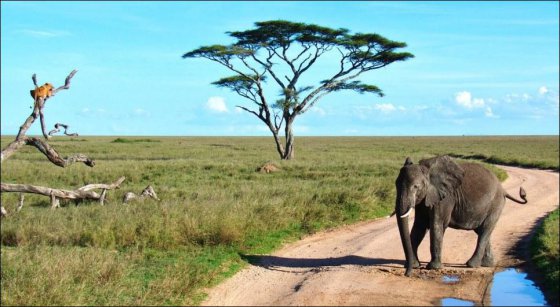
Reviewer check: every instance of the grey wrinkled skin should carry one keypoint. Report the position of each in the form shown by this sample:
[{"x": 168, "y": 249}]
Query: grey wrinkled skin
[{"x": 447, "y": 194}]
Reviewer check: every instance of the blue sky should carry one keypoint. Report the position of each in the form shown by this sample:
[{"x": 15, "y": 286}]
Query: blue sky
[{"x": 480, "y": 68}]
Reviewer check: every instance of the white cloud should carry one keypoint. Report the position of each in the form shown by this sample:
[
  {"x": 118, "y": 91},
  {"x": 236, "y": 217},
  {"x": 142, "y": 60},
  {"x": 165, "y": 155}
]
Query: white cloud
[
  {"x": 43, "y": 34},
  {"x": 543, "y": 90},
  {"x": 141, "y": 112},
  {"x": 489, "y": 113},
  {"x": 385, "y": 107},
  {"x": 88, "y": 111},
  {"x": 466, "y": 100},
  {"x": 319, "y": 111},
  {"x": 217, "y": 104}
]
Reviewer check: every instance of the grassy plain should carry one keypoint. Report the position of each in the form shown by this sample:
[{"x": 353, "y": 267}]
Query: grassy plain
[{"x": 215, "y": 208}]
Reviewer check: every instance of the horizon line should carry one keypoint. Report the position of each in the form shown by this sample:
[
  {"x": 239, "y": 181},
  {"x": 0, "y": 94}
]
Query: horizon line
[{"x": 261, "y": 136}]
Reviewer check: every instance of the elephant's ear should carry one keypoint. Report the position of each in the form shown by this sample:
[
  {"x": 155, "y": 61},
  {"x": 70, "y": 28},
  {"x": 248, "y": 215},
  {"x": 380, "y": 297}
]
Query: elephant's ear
[
  {"x": 445, "y": 176},
  {"x": 408, "y": 161}
]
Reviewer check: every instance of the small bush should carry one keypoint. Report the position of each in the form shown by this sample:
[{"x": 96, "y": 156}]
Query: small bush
[{"x": 124, "y": 140}]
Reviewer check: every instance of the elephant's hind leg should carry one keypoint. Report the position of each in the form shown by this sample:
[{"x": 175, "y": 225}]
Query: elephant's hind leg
[
  {"x": 483, "y": 252},
  {"x": 488, "y": 258}
]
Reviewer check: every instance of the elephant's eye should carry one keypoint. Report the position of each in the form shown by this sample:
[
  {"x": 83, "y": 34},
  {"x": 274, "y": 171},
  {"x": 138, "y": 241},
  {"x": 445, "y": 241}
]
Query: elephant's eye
[{"x": 416, "y": 186}]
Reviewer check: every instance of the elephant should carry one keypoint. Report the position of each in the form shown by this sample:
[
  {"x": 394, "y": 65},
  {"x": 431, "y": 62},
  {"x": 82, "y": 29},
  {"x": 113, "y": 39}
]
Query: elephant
[{"x": 448, "y": 194}]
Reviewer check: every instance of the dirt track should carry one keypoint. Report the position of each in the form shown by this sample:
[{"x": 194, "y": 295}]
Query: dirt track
[{"x": 362, "y": 264}]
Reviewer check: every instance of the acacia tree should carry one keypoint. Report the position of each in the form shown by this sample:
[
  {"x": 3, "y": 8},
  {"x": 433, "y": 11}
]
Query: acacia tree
[{"x": 283, "y": 52}]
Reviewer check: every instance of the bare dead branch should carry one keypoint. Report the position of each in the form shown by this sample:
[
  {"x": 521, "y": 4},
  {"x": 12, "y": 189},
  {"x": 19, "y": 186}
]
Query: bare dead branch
[
  {"x": 112, "y": 186},
  {"x": 28, "y": 122},
  {"x": 147, "y": 192},
  {"x": 20, "y": 205},
  {"x": 57, "y": 194},
  {"x": 46, "y": 191},
  {"x": 34, "y": 78},
  {"x": 66, "y": 82},
  {"x": 55, "y": 202},
  {"x": 47, "y": 150},
  {"x": 57, "y": 129},
  {"x": 54, "y": 156},
  {"x": 11, "y": 149},
  {"x": 85, "y": 192},
  {"x": 102, "y": 197},
  {"x": 43, "y": 126},
  {"x": 39, "y": 105}
]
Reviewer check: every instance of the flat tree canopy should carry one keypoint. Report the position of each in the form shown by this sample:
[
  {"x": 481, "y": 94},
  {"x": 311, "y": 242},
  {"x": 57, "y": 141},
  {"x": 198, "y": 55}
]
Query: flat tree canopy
[{"x": 281, "y": 52}]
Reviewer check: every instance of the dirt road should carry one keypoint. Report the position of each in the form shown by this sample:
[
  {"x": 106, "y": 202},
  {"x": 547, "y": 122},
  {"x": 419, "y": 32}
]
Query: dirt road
[{"x": 362, "y": 264}]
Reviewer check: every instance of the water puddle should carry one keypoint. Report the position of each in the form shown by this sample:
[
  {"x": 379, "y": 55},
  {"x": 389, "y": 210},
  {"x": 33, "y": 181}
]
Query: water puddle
[
  {"x": 450, "y": 279},
  {"x": 455, "y": 302},
  {"x": 513, "y": 288},
  {"x": 510, "y": 287}
]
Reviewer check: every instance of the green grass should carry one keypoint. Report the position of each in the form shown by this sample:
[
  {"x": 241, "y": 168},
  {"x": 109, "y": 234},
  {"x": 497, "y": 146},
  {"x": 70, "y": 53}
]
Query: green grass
[
  {"x": 215, "y": 208},
  {"x": 544, "y": 251}
]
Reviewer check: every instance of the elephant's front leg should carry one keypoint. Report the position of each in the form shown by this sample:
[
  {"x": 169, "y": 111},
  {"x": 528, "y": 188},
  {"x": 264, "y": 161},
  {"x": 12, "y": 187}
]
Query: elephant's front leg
[
  {"x": 436, "y": 242},
  {"x": 416, "y": 235},
  {"x": 421, "y": 223}
]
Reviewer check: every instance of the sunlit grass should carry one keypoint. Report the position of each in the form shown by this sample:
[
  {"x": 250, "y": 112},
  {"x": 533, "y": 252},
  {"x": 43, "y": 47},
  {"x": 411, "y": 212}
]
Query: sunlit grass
[
  {"x": 544, "y": 250},
  {"x": 214, "y": 208}
]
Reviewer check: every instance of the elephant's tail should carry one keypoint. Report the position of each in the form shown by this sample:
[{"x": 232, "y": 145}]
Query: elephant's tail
[{"x": 522, "y": 194}]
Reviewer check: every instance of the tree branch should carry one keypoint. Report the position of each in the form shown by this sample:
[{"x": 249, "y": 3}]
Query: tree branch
[
  {"x": 66, "y": 82},
  {"x": 43, "y": 126},
  {"x": 54, "y": 156},
  {"x": 39, "y": 104},
  {"x": 112, "y": 186},
  {"x": 84, "y": 192},
  {"x": 250, "y": 111},
  {"x": 57, "y": 129}
]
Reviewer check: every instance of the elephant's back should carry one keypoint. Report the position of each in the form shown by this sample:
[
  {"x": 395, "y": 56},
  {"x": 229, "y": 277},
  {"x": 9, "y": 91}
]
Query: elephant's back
[{"x": 479, "y": 183}]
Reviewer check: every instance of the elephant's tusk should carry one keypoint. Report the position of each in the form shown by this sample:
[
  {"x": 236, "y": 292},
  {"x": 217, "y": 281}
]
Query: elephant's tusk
[{"x": 407, "y": 213}]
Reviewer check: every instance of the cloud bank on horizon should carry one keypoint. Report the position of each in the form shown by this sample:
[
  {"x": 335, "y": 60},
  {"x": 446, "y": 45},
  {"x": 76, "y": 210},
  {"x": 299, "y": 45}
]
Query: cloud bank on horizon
[{"x": 479, "y": 68}]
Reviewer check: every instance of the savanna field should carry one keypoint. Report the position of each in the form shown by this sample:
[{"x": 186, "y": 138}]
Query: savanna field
[{"x": 215, "y": 208}]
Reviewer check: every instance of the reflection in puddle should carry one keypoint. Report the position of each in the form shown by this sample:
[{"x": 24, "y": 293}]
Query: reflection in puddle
[
  {"x": 455, "y": 302},
  {"x": 508, "y": 288},
  {"x": 450, "y": 279},
  {"x": 514, "y": 289}
]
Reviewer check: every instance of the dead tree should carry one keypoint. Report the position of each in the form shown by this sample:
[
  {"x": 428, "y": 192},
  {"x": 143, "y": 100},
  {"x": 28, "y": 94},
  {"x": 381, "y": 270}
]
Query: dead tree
[
  {"x": 147, "y": 192},
  {"x": 85, "y": 192}
]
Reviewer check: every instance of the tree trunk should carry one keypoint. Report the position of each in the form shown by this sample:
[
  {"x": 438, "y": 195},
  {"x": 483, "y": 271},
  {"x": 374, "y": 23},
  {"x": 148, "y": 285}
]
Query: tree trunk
[
  {"x": 278, "y": 141},
  {"x": 289, "y": 151}
]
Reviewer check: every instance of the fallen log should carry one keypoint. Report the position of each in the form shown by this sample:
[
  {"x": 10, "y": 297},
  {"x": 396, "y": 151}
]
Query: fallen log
[{"x": 83, "y": 193}]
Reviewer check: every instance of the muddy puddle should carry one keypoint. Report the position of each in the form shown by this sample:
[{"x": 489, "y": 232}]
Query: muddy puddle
[{"x": 510, "y": 287}]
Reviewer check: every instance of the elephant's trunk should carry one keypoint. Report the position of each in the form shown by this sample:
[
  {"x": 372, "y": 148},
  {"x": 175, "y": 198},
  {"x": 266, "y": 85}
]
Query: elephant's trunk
[{"x": 402, "y": 222}]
